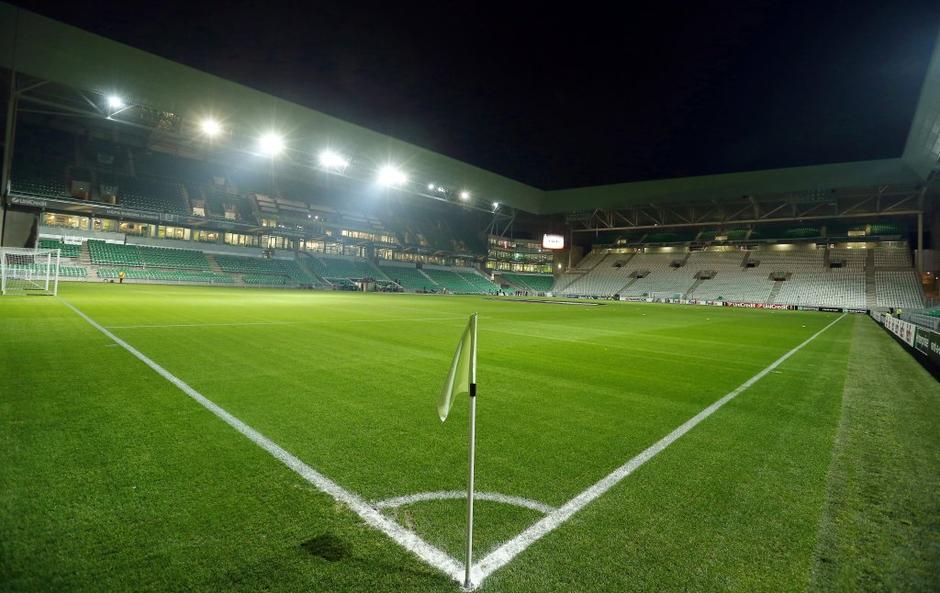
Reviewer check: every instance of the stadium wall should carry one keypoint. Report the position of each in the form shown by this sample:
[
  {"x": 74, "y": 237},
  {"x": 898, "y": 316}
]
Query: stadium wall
[
  {"x": 922, "y": 343},
  {"x": 19, "y": 228}
]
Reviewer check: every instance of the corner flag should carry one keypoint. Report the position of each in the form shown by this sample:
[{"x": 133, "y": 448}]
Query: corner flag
[
  {"x": 463, "y": 370},
  {"x": 462, "y": 379}
]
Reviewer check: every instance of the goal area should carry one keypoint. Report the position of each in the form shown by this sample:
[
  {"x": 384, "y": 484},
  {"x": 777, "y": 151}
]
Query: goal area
[{"x": 29, "y": 271}]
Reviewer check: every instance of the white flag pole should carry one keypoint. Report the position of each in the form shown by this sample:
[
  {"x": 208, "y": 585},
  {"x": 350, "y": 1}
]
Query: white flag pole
[{"x": 473, "y": 444}]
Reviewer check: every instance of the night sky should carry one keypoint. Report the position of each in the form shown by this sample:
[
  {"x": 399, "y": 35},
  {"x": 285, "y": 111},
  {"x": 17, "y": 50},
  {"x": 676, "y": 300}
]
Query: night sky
[{"x": 572, "y": 96}]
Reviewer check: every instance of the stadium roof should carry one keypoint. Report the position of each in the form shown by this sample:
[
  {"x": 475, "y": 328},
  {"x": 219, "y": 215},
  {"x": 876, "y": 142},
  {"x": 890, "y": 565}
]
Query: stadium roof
[{"x": 51, "y": 50}]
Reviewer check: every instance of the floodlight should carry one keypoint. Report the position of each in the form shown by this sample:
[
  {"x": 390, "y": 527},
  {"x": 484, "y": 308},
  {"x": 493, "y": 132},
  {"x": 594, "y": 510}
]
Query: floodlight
[
  {"x": 465, "y": 195},
  {"x": 210, "y": 127},
  {"x": 271, "y": 144},
  {"x": 330, "y": 159},
  {"x": 390, "y": 175},
  {"x": 431, "y": 186},
  {"x": 115, "y": 102},
  {"x": 495, "y": 205}
]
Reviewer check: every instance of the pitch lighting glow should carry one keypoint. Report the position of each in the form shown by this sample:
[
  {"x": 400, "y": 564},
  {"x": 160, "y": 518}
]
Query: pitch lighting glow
[
  {"x": 391, "y": 176},
  {"x": 330, "y": 159},
  {"x": 465, "y": 195},
  {"x": 115, "y": 102},
  {"x": 210, "y": 127},
  {"x": 271, "y": 144}
]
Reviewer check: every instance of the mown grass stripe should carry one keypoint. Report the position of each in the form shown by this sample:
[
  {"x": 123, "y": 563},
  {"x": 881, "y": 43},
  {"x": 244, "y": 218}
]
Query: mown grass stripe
[
  {"x": 406, "y": 538},
  {"x": 553, "y": 520}
]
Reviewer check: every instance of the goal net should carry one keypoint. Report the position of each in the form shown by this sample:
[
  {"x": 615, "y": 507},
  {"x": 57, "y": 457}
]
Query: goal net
[{"x": 29, "y": 271}]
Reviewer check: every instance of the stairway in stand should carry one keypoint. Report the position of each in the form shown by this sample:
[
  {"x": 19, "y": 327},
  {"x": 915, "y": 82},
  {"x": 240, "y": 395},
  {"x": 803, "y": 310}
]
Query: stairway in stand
[
  {"x": 213, "y": 264},
  {"x": 774, "y": 292},
  {"x": 627, "y": 285},
  {"x": 871, "y": 292},
  {"x": 691, "y": 290}
]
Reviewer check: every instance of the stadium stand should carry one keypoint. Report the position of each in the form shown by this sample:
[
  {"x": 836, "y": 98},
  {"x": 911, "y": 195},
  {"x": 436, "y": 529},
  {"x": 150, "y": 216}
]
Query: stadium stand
[
  {"x": 66, "y": 272},
  {"x": 142, "y": 194},
  {"x": 182, "y": 276},
  {"x": 65, "y": 249},
  {"x": 529, "y": 282},
  {"x": 898, "y": 289},
  {"x": 408, "y": 277},
  {"x": 450, "y": 280},
  {"x": 160, "y": 257},
  {"x": 255, "y": 267},
  {"x": 732, "y": 280},
  {"x": 798, "y": 275},
  {"x": 892, "y": 257},
  {"x": 265, "y": 279},
  {"x": 103, "y": 253},
  {"x": 477, "y": 281},
  {"x": 339, "y": 268}
]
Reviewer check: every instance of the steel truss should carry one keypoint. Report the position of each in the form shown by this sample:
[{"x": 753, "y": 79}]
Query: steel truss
[{"x": 751, "y": 211}]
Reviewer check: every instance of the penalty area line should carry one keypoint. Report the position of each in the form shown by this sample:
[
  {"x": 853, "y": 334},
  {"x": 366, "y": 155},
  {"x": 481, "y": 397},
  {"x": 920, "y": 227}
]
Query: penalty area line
[
  {"x": 409, "y": 540},
  {"x": 506, "y": 551},
  {"x": 237, "y": 324}
]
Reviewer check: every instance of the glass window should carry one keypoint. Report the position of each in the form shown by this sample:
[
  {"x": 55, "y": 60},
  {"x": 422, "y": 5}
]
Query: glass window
[
  {"x": 104, "y": 224},
  {"x": 135, "y": 228}
]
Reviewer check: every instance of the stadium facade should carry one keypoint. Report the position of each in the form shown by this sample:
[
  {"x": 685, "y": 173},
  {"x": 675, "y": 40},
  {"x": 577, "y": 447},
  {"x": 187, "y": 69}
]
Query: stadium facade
[{"x": 144, "y": 169}]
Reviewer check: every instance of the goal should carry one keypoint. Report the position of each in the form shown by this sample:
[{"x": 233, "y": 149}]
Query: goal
[{"x": 29, "y": 271}]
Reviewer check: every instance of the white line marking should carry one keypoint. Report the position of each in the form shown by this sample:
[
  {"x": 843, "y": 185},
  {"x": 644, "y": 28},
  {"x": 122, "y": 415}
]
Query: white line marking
[
  {"x": 503, "y": 554},
  {"x": 406, "y": 538},
  {"x": 309, "y": 321},
  {"x": 200, "y": 324},
  {"x": 399, "y": 501}
]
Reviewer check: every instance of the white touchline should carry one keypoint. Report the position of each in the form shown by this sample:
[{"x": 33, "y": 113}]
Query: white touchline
[
  {"x": 503, "y": 554},
  {"x": 400, "y": 501},
  {"x": 406, "y": 538}
]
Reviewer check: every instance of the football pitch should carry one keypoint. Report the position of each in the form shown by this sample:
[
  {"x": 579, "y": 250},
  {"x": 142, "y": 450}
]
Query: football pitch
[{"x": 210, "y": 439}]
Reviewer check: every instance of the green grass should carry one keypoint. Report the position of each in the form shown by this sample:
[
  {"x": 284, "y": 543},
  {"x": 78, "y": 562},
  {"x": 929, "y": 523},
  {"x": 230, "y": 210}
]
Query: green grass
[{"x": 821, "y": 476}]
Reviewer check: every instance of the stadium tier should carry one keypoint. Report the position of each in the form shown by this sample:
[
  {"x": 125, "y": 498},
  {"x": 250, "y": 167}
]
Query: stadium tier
[
  {"x": 65, "y": 249},
  {"x": 265, "y": 279},
  {"x": 158, "y": 257},
  {"x": 66, "y": 272},
  {"x": 103, "y": 253},
  {"x": 156, "y": 196},
  {"x": 255, "y": 267},
  {"x": 182, "y": 276},
  {"x": 450, "y": 280},
  {"x": 838, "y": 277},
  {"x": 338, "y": 268},
  {"x": 408, "y": 277},
  {"x": 477, "y": 281},
  {"x": 529, "y": 282}
]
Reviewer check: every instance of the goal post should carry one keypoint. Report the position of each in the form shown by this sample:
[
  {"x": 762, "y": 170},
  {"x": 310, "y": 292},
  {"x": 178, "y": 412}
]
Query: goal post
[{"x": 29, "y": 271}]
